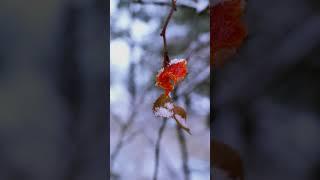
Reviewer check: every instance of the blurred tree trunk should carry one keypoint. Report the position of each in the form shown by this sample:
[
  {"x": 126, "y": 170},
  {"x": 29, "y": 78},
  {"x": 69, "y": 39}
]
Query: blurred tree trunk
[{"x": 54, "y": 76}]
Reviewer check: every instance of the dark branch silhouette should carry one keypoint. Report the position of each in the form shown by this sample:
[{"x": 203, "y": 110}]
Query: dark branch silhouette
[{"x": 157, "y": 150}]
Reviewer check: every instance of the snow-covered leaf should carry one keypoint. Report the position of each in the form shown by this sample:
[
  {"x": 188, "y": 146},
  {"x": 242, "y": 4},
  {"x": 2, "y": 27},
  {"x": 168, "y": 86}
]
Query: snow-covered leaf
[{"x": 163, "y": 106}]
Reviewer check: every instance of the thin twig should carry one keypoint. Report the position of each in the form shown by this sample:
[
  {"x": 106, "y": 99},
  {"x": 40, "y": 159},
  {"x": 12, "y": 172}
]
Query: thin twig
[
  {"x": 166, "y": 58},
  {"x": 157, "y": 149},
  {"x": 166, "y": 61},
  {"x": 164, "y": 158},
  {"x": 124, "y": 130},
  {"x": 184, "y": 153},
  {"x": 126, "y": 126}
]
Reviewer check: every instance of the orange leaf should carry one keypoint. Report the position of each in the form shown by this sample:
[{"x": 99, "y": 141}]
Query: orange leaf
[{"x": 169, "y": 76}]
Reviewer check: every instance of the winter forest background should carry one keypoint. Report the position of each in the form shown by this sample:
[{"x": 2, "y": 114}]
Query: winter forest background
[
  {"x": 267, "y": 99},
  {"x": 53, "y": 118},
  {"x": 136, "y": 56}
]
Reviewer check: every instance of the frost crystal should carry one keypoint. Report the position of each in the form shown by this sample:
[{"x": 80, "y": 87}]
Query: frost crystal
[{"x": 163, "y": 112}]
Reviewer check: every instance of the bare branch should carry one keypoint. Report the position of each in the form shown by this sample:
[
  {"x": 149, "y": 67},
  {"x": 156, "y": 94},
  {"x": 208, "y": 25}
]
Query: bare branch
[
  {"x": 164, "y": 156},
  {"x": 126, "y": 126},
  {"x": 184, "y": 153},
  {"x": 165, "y": 63},
  {"x": 157, "y": 149},
  {"x": 123, "y": 132}
]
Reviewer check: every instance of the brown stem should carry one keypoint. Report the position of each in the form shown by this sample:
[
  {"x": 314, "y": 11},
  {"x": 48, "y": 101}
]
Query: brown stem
[
  {"x": 166, "y": 61},
  {"x": 166, "y": 58}
]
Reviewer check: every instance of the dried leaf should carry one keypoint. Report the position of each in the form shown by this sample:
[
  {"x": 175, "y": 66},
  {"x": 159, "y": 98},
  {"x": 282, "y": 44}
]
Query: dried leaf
[
  {"x": 163, "y": 106},
  {"x": 180, "y": 116}
]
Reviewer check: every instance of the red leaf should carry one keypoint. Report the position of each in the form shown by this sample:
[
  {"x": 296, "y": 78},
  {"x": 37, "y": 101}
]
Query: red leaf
[{"x": 170, "y": 75}]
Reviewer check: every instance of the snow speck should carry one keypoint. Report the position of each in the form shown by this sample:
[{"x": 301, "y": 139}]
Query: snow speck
[{"x": 163, "y": 112}]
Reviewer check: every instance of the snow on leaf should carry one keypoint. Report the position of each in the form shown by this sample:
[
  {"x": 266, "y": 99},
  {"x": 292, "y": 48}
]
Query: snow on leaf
[
  {"x": 163, "y": 112},
  {"x": 163, "y": 106},
  {"x": 169, "y": 105},
  {"x": 175, "y": 61}
]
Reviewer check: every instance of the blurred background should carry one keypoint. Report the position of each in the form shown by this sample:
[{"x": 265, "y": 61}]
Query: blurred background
[
  {"x": 53, "y": 122},
  {"x": 267, "y": 99},
  {"x": 136, "y": 56}
]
